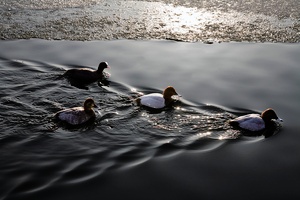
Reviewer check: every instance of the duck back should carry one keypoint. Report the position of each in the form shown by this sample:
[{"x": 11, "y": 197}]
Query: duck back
[
  {"x": 252, "y": 122},
  {"x": 154, "y": 100},
  {"x": 74, "y": 116},
  {"x": 82, "y": 76}
]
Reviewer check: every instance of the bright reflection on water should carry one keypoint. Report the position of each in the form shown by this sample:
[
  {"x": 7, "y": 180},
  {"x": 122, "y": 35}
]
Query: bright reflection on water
[
  {"x": 183, "y": 20},
  {"x": 191, "y": 23},
  {"x": 93, "y": 20}
]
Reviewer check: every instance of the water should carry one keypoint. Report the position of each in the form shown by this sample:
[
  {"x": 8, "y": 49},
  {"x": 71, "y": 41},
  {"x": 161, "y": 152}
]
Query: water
[
  {"x": 187, "y": 151},
  {"x": 205, "y": 20}
]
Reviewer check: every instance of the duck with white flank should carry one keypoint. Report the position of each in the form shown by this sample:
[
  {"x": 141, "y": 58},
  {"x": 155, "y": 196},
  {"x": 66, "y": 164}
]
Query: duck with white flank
[
  {"x": 78, "y": 115},
  {"x": 85, "y": 76},
  {"x": 157, "y": 100},
  {"x": 256, "y": 122}
]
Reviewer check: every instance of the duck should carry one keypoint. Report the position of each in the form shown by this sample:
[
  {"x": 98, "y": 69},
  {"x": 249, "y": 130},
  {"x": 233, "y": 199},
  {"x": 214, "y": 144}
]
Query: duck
[
  {"x": 86, "y": 76},
  {"x": 256, "y": 122},
  {"x": 78, "y": 115},
  {"x": 157, "y": 100}
]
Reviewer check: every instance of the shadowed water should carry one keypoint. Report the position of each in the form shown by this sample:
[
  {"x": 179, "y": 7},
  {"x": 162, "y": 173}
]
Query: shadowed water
[{"x": 42, "y": 160}]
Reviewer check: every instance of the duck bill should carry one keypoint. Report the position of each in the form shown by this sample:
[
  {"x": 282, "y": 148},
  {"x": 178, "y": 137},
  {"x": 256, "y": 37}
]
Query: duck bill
[
  {"x": 176, "y": 96},
  {"x": 279, "y": 120},
  {"x": 95, "y": 106}
]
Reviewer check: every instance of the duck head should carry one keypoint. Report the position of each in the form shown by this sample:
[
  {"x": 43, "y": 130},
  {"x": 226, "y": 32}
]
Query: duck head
[
  {"x": 89, "y": 104},
  {"x": 102, "y": 66},
  {"x": 169, "y": 92},
  {"x": 269, "y": 114}
]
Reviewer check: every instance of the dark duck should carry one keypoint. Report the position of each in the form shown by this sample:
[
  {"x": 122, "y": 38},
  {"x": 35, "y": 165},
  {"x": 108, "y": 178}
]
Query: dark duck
[{"x": 81, "y": 77}]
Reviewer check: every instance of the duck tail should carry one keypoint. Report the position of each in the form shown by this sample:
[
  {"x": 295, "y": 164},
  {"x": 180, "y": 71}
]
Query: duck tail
[
  {"x": 233, "y": 123},
  {"x": 138, "y": 101},
  {"x": 61, "y": 76},
  {"x": 66, "y": 74}
]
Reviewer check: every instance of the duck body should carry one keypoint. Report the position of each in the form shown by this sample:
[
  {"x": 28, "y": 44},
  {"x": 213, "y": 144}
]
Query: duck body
[
  {"x": 153, "y": 100},
  {"x": 256, "y": 122},
  {"x": 77, "y": 115},
  {"x": 157, "y": 100},
  {"x": 252, "y": 122},
  {"x": 83, "y": 76},
  {"x": 86, "y": 76}
]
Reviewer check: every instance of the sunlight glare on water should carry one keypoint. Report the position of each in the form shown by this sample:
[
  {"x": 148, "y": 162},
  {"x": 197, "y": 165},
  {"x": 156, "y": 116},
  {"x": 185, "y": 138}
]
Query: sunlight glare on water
[
  {"x": 198, "y": 21},
  {"x": 178, "y": 19},
  {"x": 182, "y": 19}
]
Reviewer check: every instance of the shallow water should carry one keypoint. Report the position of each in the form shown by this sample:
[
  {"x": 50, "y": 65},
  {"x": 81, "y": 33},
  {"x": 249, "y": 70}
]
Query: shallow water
[
  {"x": 187, "y": 151},
  {"x": 193, "y": 20}
]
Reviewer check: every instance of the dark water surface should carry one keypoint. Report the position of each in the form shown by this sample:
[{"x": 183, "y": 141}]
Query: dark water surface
[{"x": 185, "y": 152}]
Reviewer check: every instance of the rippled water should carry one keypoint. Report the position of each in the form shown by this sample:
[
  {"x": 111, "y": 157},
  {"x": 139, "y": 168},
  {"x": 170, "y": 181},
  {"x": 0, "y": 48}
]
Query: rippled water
[
  {"x": 187, "y": 150},
  {"x": 204, "y": 20}
]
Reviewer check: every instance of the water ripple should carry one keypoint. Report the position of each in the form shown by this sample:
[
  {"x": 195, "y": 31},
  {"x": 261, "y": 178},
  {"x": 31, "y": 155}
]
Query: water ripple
[{"x": 36, "y": 157}]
